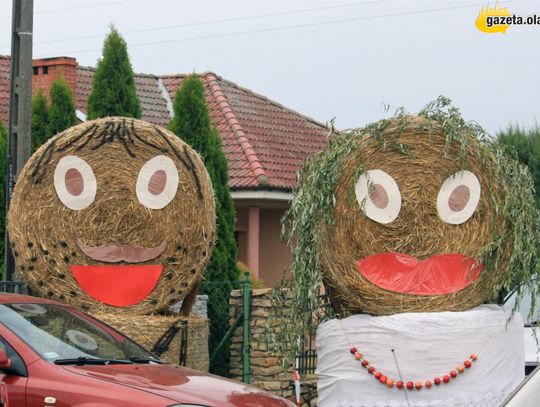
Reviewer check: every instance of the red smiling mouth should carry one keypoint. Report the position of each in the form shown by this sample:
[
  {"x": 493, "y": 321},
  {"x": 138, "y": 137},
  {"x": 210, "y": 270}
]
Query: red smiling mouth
[
  {"x": 436, "y": 275},
  {"x": 121, "y": 285}
]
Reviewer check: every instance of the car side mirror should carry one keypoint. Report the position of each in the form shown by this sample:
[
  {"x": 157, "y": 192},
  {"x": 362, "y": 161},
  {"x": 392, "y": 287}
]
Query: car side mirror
[{"x": 5, "y": 362}]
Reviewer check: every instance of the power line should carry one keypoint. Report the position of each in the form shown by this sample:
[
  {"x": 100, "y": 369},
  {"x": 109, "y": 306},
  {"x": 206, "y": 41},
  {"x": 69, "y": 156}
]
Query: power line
[
  {"x": 224, "y": 20},
  {"x": 290, "y": 27},
  {"x": 75, "y": 8},
  {"x": 60, "y": 10}
]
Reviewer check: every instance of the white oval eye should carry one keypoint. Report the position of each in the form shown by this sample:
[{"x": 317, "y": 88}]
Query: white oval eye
[
  {"x": 81, "y": 339},
  {"x": 157, "y": 182},
  {"x": 378, "y": 196},
  {"x": 75, "y": 182},
  {"x": 458, "y": 197}
]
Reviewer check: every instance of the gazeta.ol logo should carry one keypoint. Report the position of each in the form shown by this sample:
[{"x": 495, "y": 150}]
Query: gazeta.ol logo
[
  {"x": 491, "y": 19},
  {"x": 497, "y": 20}
]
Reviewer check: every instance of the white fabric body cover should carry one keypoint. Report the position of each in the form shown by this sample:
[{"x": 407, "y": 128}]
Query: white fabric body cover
[{"x": 426, "y": 345}]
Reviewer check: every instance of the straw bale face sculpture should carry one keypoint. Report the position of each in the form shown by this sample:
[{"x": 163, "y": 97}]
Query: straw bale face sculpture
[
  {"x": 113, "y": 214},
  {"x": 412, "y": 215}
]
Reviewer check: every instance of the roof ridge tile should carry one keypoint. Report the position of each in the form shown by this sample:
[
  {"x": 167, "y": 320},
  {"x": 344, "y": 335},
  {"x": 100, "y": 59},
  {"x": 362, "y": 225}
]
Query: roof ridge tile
[{"x": 234, "y": 124}]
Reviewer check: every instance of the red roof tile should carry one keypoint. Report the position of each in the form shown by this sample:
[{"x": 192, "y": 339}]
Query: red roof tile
[{"x": 265, "y": 143}]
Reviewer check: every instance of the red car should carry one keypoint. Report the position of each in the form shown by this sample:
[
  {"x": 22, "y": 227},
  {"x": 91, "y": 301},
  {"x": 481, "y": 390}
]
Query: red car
[
  {"x": 3, "y": 395},
  {"x": 52, "y": 355}
]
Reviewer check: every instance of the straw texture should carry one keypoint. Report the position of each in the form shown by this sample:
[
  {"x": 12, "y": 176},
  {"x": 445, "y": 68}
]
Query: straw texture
[
  {"x": 147, "y": 331},
  {"x": 45, "y": 234},
  {"x": 417, "y": 155}
]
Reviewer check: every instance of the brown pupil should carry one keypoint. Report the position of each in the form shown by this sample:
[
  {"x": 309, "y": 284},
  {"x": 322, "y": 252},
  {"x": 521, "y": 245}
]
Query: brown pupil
[
  {"x": 74, "y": 182},
  {"x": 82, "y": 339},
  {"x": 378, "y": 196},
  {"x": 459, "y": 197},
  {"x": 157, "y": 182}
]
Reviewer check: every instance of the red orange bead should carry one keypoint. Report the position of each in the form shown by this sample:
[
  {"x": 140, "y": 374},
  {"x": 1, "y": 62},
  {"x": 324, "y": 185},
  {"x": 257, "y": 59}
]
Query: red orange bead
[{"x": 390, "y": 383}]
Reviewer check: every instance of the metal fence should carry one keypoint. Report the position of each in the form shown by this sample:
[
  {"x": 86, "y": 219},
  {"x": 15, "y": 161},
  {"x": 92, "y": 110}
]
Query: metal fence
[
  {"x": 17, "y": 287},
  {"x": 218, "y": 293},
  {"x": 221, "y": 328},
  {"x": 307, "y": 356}
]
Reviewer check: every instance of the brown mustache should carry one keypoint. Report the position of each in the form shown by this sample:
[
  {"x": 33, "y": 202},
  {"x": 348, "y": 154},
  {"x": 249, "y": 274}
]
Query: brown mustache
[{"x": 114, "y": 253}]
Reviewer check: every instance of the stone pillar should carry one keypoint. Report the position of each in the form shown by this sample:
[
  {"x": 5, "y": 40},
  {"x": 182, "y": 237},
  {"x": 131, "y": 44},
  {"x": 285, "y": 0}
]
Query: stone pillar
[{"x": 265, "y": 367}]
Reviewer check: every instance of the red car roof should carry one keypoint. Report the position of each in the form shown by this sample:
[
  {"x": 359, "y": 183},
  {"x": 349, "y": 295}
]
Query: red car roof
[{"x": 7, "y": 298}]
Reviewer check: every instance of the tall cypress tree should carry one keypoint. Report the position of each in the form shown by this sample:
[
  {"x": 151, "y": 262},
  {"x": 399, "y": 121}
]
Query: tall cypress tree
[
  {"x": 62, "y": 111},
  {"x": 40, "y": 120},
  {"x": 191, "y": 122},
  {"x": 3, "y": 186},
  {"x": 113, "y": 86}
]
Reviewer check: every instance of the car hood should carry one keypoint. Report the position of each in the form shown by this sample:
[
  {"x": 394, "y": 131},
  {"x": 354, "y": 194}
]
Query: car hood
[{"x": 181, "y": 385}]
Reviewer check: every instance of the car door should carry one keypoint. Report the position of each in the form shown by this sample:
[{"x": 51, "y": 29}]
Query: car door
[{"x": 16, "y": 377}]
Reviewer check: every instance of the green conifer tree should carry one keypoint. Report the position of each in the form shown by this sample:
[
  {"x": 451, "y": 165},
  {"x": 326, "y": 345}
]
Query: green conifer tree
[
  {"x": 40, "y": 120},
  {"x": 191, "y": 123},
  {"x": 113, "y": 86},
  {"x": 62, "y": 110},
  {"x": 3, "y": 186}
]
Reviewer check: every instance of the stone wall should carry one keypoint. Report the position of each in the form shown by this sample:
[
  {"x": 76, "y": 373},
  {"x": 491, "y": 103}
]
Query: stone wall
[{"x": 265, "y": 367}]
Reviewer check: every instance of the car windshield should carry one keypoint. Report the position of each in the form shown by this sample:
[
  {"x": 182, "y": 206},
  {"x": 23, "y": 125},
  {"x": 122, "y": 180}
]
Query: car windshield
[{"x": 58, "y": 334}]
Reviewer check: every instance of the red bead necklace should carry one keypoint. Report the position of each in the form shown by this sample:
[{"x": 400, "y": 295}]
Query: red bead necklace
[{"x": 391, "y": 383}]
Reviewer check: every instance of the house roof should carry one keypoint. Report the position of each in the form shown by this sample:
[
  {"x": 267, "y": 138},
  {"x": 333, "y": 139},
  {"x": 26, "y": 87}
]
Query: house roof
[{"x": 265, "y": 142}]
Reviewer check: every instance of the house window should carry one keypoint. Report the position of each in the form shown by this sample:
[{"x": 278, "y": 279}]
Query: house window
[
  {"x": 45, "y": 70},
  {"x": 34, "y": 70}
]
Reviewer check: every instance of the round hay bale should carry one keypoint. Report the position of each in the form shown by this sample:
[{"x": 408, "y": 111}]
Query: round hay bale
[
  {"x": 113, "y": 215},
  {"x": 411, "y": 214},
  {"x": 419, "y": 167},
  {"x": 164, "y": 335}
]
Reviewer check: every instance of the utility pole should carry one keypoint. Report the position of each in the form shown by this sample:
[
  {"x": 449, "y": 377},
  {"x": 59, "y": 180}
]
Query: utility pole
[{"x": 20, "y": 105}]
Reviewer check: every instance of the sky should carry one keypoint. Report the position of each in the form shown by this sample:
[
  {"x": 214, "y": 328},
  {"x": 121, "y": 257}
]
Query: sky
[{"x": 355, "y": 61}]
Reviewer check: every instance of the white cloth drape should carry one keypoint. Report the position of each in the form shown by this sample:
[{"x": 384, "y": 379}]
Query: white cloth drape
[{"x": 426, "y": 345}]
